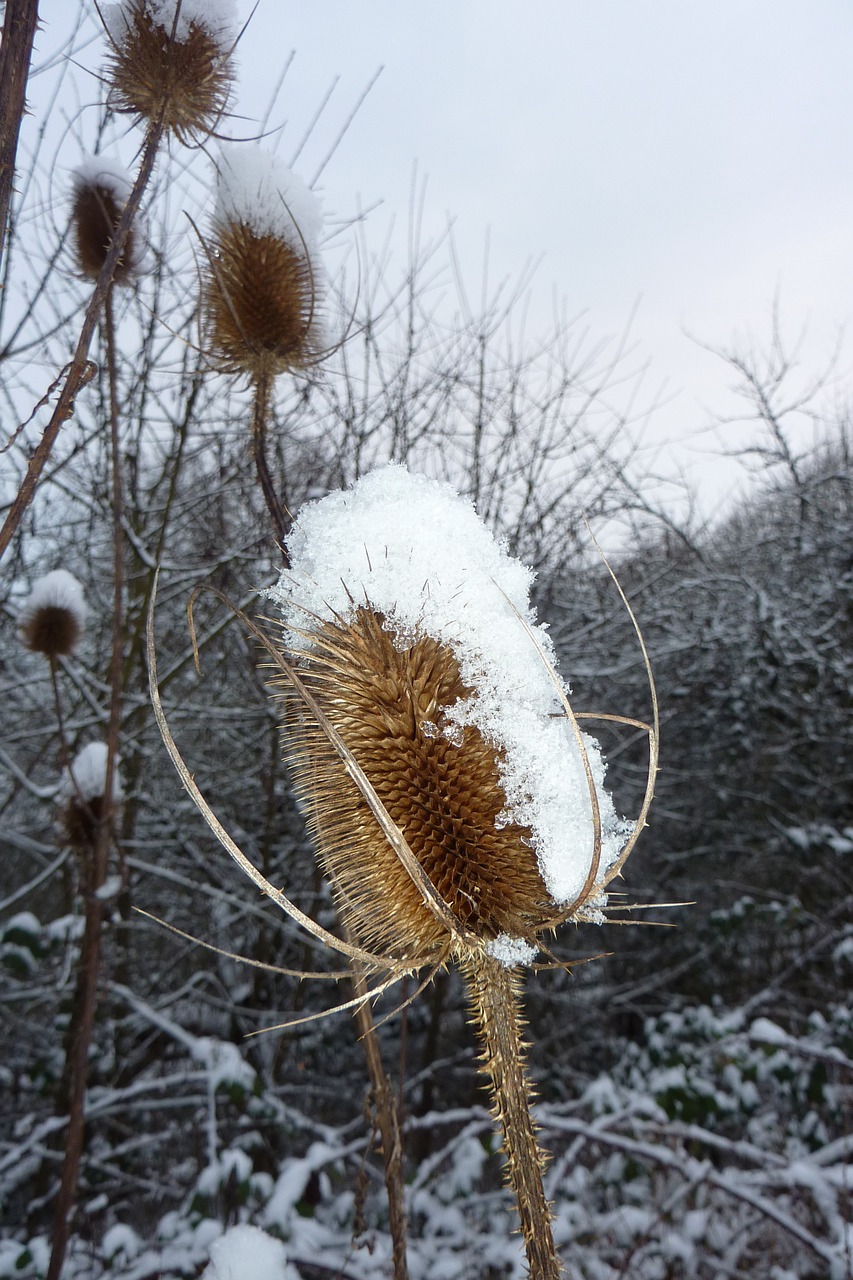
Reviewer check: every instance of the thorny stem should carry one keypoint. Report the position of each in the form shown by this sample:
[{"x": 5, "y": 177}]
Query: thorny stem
[
  {"x": 388, "y": 1120},
  {"x": 95, "y": 873},
  {"x": 79, "y": 370},
  {"x": 495, "y": 1003},
  {"x": 19, "y": 29},
  {"x": 260, "y": 413}
]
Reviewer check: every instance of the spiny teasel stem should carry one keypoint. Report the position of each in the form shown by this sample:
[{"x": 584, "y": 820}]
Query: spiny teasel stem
[
  {"x": 494, "y": 992},
  {"x": 260, "y": 414}
]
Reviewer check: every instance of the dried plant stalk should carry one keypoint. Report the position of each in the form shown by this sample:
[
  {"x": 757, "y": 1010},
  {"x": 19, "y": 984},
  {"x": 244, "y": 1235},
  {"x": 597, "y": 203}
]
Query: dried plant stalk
[{"x": 495, "y": 995}]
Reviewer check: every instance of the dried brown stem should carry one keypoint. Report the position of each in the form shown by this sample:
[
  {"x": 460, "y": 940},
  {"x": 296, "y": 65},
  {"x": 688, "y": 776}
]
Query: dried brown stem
[
  {"x": 79, "y": 364},
  {"x": 495, "y": 1003},
  {"x": 96, "y": 863},
  {"x": 19, "y": 29},
  {"x": 260, "y": 414},
  {"x": 388, "y": 1121}
]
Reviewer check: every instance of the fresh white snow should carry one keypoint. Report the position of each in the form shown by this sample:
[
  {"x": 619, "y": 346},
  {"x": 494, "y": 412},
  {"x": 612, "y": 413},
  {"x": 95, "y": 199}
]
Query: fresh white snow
[
  {"x": 218, "y": 17},
  {"x": 422, "y": 557},
  {"x": 58, "y": 589},
  {"x": 244, "y": 1252},
  {"x": 89, "y": 773},
  {"x": 257, "y": 189}
]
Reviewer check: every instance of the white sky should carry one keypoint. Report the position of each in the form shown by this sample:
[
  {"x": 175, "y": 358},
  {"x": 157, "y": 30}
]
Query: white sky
[
  {"x": 689, "y": 158},
  {"x": 692, "y": 156}
]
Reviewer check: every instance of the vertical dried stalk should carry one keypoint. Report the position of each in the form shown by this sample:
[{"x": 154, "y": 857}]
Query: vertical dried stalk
[
  {"x": 19, "y": 29},
  {"x": 494, "y": 992},
  {"x": 96, "y": 860}
]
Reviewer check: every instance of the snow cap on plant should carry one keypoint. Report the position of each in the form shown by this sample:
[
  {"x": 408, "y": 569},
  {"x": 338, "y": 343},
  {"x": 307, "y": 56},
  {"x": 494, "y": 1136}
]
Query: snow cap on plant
[
  {"x": 101, "y": 190},
  {"x": 171, "y": 60},
  {"x": 263, "y": 269},
  {"x": 53, "y": 616},
  {"x": 411, "y": 628},
  {"x": 83, "y": 790}
]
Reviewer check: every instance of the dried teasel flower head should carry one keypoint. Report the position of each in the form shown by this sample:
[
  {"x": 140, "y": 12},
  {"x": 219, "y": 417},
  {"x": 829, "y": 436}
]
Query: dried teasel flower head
[
  {"x": 83, "y": 791},
  {"x": 171, "y": 60},
  {"x": 101, "y": 190},
  {"x": 53, "y": 616},
  {"x": 263, "y": 274},
  {"x": 411, "y": 628}
]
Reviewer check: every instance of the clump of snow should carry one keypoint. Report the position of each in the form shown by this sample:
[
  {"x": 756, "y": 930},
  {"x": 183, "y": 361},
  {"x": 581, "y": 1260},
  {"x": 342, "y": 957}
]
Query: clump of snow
[
  {"x": 100, "y": 171},
  {"x": 257, "y": 189},
  {"x": 87, "y": 777},
  {"x": 420, "y": 555},
  {"x": 120, "y": 1239},
  {"x": 511, "y": 951},
  {"x": 56, "y": 590},
  {"x": 217, "y": 17},
  {"x": 247, "y": 1251}
]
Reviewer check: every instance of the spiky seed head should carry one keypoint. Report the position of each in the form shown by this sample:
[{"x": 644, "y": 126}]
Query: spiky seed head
[
  {"x": 414, "y": 640},
  {"x": 262, "y": 271},
  {"x": 53, "y": 616},
  {"x": 101, "y": 190},
  {"x": 83, "y": 791},
  {"x": 443, "y": 792},
  {"x": 258, "y": 304},
  {"x": 170, "y": 61}
]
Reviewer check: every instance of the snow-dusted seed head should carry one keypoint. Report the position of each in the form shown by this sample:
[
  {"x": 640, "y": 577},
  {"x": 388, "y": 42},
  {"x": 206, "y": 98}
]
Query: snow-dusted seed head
[
  {"x": 101, "y": 190},
  {"x": 83, "y": 791},
  {"x": 262, "y": 272},
  {"x": 53, "y": 617},
  {"x": 171, "y": 60},
  {"x": 412, "y": 629}
]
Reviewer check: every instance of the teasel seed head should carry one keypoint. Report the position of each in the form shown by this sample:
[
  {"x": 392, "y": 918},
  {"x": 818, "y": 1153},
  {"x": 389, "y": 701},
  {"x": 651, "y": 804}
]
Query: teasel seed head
[
  {"x": 83, "y": 791},
  {"x": 53, "y": 616},
  {"x": 101, "y": 190},
  {"x": 170, "y": 60},
  {"x": 410, "y": 628},
  {"x": 262, "y": 274}
]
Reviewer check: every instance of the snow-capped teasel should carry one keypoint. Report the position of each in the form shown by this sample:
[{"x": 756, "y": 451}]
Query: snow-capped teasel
[
  {"x": 53, "y": 617},
  {"x": 263, "y": 277},
  {"x": 170, "y": 61},
  {"x": 83, "y": 793},
  {"x": 217, "y": 17},
  {"x": 100, "y": 190},
  {"x": 454, "y": 803},
  {"x": 400, "y": 572}
]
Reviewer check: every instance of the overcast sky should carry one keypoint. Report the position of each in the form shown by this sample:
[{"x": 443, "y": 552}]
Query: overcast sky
[
  {"x": 689, "y": 158},
  {"x": 692, "y": 156}
]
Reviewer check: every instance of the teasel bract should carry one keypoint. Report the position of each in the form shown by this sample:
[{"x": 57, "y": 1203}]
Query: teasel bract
[
  {"x": 261, "y": 281},
  {"x": 170, "y": 62},
  {"x": 455, "y": 804}
]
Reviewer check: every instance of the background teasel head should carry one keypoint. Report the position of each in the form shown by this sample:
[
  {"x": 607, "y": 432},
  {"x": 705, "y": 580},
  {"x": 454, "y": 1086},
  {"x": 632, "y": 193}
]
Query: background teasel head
[
  {"x": 53, "y": 616},
  {"x": 100, "y": 191},
  {"x": 263, "y": 275},
  {"x": 83, "y": 792},
  {"x": 412, "y": 630},
  {"x": 171, "y": 61}
]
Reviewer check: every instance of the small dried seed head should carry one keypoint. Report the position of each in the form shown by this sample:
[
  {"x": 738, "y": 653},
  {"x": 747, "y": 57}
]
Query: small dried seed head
[
  {"x": 83, "y": 790},
  {"x": 443, "y": 792},
  {"x": 171, "y": 61},
  {"x": 259, "y": 304},
  {"x": 261, "y": 277},
  {"x": 54, "y": 615},
  {"x": 101, "y": 190}
]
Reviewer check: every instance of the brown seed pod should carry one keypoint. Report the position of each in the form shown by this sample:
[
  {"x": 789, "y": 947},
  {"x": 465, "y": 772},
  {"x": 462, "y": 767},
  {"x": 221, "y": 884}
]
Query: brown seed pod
[
  {"x": 100, "y": 193},
  {"x": 168, "y": 65},
  {"x": 54, "y": 615},
  {"x": 259, "y": 303},
  {"x": 446, "y": 799},
  {"x": 84, "y": 793}
]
